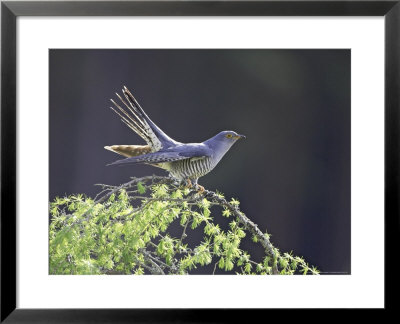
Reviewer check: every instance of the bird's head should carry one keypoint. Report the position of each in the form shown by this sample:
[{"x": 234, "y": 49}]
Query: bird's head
[
  {"x": 228, "y": 137},
  {"x": 222, "y": 142}
]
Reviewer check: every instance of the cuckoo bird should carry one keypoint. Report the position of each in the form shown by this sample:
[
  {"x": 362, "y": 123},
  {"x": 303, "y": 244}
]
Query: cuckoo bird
[{"x": 185, "y": 162}]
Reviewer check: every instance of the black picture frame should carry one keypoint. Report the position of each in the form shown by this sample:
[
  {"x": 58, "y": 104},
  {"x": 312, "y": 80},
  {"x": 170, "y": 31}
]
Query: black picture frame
[{"x": 10, "y": 10}]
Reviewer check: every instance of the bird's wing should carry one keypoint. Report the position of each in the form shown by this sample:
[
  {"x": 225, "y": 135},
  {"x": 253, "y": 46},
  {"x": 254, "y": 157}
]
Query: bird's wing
[
  {"x": 137, "y": 120},
  {"x": 170, "y": 155}
]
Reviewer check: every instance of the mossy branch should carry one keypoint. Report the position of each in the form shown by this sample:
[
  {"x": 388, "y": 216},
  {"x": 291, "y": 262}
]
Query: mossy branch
[{"x": 126, "y": 230}]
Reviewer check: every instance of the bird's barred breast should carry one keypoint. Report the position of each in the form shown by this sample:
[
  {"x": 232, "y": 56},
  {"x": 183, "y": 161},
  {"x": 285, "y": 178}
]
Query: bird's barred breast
[{"x": 191, "y": 168}]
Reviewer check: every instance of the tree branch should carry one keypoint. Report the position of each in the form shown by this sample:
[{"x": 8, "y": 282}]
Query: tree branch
[
  {"x": 185, "y": 202},
  {"x": 195, "y": 198}
]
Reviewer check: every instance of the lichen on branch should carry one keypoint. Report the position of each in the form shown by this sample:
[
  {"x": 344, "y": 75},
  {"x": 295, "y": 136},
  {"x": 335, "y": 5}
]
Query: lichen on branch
[{"x": 126, "y": 229}]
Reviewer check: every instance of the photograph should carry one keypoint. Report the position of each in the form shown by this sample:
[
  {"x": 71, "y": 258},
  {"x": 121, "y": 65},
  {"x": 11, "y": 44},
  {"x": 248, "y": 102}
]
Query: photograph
[
  {"x": 199, "y": 161},
  {"x": 172, "y": 161}
]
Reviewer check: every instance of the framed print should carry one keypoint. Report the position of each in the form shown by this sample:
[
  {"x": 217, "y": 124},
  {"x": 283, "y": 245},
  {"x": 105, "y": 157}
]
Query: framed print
[{"x": 233, "y": 159}]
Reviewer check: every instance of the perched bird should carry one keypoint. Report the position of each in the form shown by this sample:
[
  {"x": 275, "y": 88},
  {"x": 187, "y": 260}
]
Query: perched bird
[{"x": 184, "y": 162}]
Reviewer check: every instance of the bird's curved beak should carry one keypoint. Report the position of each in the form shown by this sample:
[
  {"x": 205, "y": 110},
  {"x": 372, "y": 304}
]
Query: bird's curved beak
[{"x": 240, "y": 136}]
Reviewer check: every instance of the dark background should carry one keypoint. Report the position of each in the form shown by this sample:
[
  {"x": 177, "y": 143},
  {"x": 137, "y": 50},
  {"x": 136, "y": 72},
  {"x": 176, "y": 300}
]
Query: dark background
[{"x": 291, "y": 174}]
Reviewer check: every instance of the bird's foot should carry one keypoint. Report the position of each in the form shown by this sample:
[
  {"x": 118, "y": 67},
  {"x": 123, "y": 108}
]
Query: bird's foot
[
  {"x": 188, "y": 184},
  {"x": 200, "y": 189}
]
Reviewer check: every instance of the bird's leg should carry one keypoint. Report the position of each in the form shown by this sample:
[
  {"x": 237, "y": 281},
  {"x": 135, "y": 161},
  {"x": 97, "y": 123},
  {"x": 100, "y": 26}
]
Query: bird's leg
[
  {"x": 188, "y": 183},
  {"x": 200, "y": 189}
]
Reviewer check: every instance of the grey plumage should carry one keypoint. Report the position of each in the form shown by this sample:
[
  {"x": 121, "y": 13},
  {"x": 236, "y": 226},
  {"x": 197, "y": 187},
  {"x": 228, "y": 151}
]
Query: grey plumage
[{"x": 186, "y": 162}]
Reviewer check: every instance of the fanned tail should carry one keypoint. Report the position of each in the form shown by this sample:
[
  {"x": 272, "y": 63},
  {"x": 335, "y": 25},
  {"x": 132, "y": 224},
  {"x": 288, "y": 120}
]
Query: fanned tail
[
  {"x": 155, "y": 133},
  {"x": 133, "y": 115},
  {"x": 131, "y": 120}
]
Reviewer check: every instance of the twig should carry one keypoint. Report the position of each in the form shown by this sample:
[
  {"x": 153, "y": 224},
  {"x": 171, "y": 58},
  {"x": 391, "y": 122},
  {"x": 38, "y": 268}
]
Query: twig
[
  {"x": 215, "y": 267},
  {"x": 148, "y": 257}
]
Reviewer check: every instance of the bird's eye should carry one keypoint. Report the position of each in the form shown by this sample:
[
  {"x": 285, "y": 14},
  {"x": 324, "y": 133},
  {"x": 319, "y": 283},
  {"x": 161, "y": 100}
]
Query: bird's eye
[{"x": 229, "y": 136}]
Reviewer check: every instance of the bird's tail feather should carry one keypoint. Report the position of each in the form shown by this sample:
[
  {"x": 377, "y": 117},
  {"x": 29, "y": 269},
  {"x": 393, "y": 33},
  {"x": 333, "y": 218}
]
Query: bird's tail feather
[
  {"x": 134, "y": 103},
  {"x": 131, "y": 119},
  {"x": 129, "y": 150},
  {"x": 154, "y": 129},
  {"x": 135, "y": 118}
]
